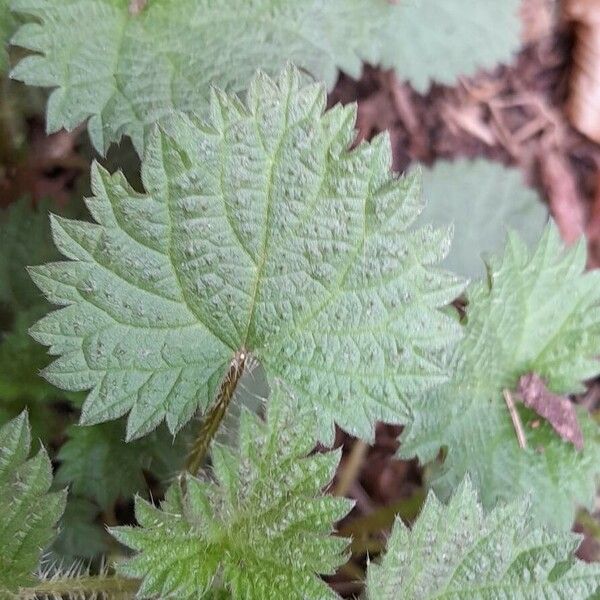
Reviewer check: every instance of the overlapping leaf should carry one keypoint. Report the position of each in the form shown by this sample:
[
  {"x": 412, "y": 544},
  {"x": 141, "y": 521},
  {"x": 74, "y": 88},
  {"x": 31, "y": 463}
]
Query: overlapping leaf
[
  {"x": 260, "y": 231},
  {"x": 439, "y": 40},
  {"x": 260, "y": 529},
  {"x": 456, "y": 551},
  {"x": 126, "y": 71},
  {"x": 98, "y": 464},
  {"x": 535, "y": 314},
  {"x": 483, "y": 200},
  {"x": 28, "y": 512}
]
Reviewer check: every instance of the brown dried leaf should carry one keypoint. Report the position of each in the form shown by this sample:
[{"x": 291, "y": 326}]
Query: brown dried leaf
[
  {"x": 583, "y": 106},
  {"x": 557, "y": 410}
]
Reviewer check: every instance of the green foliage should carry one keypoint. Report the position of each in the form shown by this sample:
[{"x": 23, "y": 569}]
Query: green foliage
[
  {"x": 483, "y": 200},
  {"x": 26, "y": 239},
  {"x": 132, "y": 70},
  {"x": 538, "y": 314},
  {"x": 438, "y": 40},
  {"x": 126, "y": 71},
  {"x": 260, "y": 231},
  {"x": 259, "y": 526},
  {"x": 98, "y": 464},
  {"x": 81, "y": 535},
  {"x": 7, "y": 26},
  {"x": 28, "y": 512},
  {"x": 456, "y": 551}
]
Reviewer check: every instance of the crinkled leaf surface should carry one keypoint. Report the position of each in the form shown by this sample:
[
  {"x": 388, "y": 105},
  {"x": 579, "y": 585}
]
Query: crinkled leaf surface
[
  {"x": 539, "y": 314},
  {"x": 127, "y": 71},
  {"x": 259, "y": 230},
  {"x": 98, "y": 464},
  {"x": 457, "y": 552},
  {"x": 28, "y": 512},
  {"x": 483, "y": 200},
  {"x": 259, "y": 526}
]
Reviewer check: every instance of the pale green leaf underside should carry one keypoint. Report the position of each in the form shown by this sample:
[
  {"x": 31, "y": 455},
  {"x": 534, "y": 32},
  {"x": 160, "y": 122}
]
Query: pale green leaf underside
[
  {"x": 456, "y": 552},
  {"x": 259, "y": 526},
  {"x": 541, "y": 315},
  {"x": 259, "y": 230},
  {"x": 126, "y": 72},
  {"x": 483, "y": 200},
  {"x": 28, "y": 512}
]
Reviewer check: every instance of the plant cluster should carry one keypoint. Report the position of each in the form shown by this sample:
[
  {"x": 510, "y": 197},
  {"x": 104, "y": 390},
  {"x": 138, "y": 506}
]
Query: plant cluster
[{"x": 264, "y": 242}]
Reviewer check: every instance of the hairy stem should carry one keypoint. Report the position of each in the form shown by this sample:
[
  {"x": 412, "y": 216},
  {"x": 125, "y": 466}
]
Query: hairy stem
[
  {"x": 211, "y": 422},
  {"x": 113, "y": 588}
]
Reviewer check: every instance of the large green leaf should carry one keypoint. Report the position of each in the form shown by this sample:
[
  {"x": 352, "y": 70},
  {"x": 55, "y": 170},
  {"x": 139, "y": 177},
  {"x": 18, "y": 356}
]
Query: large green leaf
[
  {"x": 28, "y": 512},
  {"x": 483, "y": 200},
  {"x": 126, "y": 71},
  {"x": 457, "y": 552},
  {"x": 539, "y": 314},
  {"x": 260, "y": 231},
  {"x": 258, "y": 527}
]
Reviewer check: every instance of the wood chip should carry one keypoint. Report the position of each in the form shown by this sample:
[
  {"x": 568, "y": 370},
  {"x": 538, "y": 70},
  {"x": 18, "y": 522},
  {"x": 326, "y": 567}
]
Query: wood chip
[{"x": 558, "y": 411}]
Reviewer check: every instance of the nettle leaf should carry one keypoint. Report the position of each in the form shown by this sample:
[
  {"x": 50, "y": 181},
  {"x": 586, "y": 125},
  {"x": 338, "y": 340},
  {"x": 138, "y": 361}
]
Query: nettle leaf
[
  {"x": 259, "y": 527},
  {"x": 130, "y": 70},
  {"x": 457, "y": 551},
  {"x": 260, "y": 231},
  {"x": 538, "y": 314},
  {"x": 98, "y": 464},
  {"x": 483, "y": 200},
  {"x": 28, "y": 512},
  {"x": 440, "y": 40}
]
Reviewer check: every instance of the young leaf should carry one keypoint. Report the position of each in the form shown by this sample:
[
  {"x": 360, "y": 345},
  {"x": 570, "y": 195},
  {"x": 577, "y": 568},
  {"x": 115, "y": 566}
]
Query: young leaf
[
  {"x": 536, "y": 314},
  {"x": 28, "y": 512},
  {"x": 99, "y": 465},
  {"x": 483, "y": 200},
  {"x": 456, "y": 551},
  {"x": 260, "y": 231},
  {"x": 127, "y": 69},
  {"x": 261, "y": 528}
]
